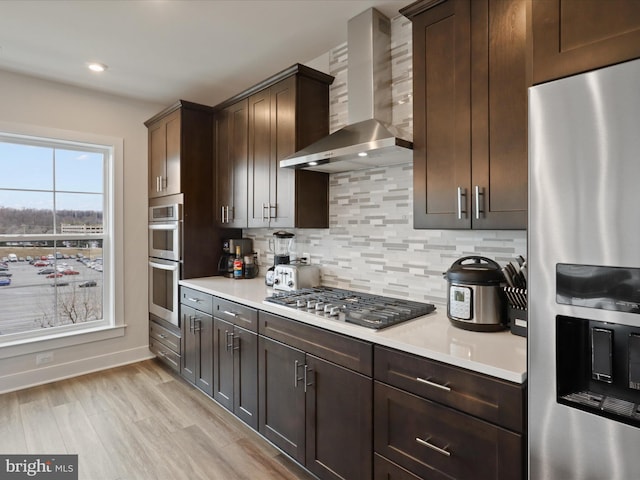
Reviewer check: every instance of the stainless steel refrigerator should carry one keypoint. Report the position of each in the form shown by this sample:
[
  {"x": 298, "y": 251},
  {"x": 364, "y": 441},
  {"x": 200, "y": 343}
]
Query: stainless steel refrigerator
[{"x": 584, "y": 276}]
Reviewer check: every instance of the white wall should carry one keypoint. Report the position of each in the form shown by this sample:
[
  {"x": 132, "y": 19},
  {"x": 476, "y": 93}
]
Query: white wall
[{"x": 34, "y": 102}]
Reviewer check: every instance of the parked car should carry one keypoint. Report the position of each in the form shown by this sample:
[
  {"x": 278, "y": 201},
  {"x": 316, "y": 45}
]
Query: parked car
[
  {"x": 54, "y": 275},
  {"x": 59, "y": 284},
  {"x": 70, "y": 271},
  {"x": 5, "y": 274},
  {"x": 40, "y": 263},
  {"x": 13, "y": 257},
  {"x": 88, "y": 283},
  {"x": 47, "y": 271},
  {"x": 29, "y": 258},
  {"x": 4, "y": 281}
]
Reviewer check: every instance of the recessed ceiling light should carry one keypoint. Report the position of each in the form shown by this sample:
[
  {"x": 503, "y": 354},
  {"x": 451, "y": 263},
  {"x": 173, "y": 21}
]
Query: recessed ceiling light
[
  {"x": 312, "y": 164},
  {"x": 97, "y": 67},
  {"x": 362, "y": 154}
]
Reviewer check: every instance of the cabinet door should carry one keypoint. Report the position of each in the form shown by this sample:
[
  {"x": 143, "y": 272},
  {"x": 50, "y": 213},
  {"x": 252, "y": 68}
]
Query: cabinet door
[
  {"x": 223, "y": 363},
  {"x": 499, "y": 115},
  {"x": 282, "y": 397},
  {"x": 231, "y": 143},
  {"x": 283, "y": 144},
  {"x": 442, "y": 119},
  {"x": 189, "y": 345},
  {"x": 173, "y": 139},
  {"x": 157, "y": 156},
  {"x": 259, "y": 159},
  {"x": 574, "y": 36},
  {"x": 245, "y": 373},
  {"x": 203, "y": 327},
  {"x": 339, "y": 421}
]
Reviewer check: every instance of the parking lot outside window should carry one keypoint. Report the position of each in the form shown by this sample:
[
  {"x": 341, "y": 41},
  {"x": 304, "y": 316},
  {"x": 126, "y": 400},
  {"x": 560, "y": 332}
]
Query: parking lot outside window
[{"x": 56, "y": 237}]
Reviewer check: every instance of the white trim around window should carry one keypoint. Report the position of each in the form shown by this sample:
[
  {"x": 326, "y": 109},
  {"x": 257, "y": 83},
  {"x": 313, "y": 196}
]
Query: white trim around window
[{"x": 112, "y": 324}]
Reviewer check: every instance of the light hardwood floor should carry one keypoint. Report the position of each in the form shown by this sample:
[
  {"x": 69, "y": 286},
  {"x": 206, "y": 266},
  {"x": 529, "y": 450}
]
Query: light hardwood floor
[{"x": 138, "y": 422}]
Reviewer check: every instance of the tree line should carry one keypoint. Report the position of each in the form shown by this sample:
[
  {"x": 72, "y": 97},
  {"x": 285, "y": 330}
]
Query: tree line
[{"x": 40, "y": 221}]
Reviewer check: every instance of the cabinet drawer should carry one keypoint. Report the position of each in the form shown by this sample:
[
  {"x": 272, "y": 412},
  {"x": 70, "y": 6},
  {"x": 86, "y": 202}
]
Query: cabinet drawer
[
  {"x": 165, "y": 336},
  {"x": 340, "y": 349},
  {"x": 436, "y": 442},
  {"x": 198, "y": 300},
  {"x": 491, "y": 399},
  {"x": 165, "y": 354},
  {"x": 240, "y": 315}
]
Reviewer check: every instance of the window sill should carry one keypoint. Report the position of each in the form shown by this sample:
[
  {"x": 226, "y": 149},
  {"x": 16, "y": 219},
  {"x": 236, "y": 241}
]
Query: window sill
[{"x": 61, "y": 340}]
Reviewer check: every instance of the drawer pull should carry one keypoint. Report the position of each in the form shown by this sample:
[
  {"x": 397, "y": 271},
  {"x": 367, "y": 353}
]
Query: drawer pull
[
  {"x": 426, "y": 443},
  {"x": 446, "y": 388},
  {"x": 232, "y": 314},
  {"x": 195, "y": 300},
  {"x": 162, "y": 335}
]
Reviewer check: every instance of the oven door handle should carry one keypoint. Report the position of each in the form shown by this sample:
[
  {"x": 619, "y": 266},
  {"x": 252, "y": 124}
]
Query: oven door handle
[
  {"x": 163, "y": 226},
  {"x": 173, "y": 266}
]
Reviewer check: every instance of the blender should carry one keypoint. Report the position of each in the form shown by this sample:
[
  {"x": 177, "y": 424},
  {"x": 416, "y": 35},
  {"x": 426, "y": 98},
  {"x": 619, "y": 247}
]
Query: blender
[{"x": 281, "y": 245}]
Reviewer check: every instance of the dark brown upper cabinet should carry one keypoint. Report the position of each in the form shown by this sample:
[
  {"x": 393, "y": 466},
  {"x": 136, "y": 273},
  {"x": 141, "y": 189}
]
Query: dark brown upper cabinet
[
  {"x": 470, "y": 114},
  {"x": 231, "y": 130},
  {"x": 574, "y": 36},
  {"x": 284, "y": 114},
  {"x": 180, "y": 143}
]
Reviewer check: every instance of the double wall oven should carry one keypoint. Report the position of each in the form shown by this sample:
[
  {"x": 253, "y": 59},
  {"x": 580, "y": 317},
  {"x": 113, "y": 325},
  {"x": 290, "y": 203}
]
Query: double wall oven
[{"x": 165, "y": 259}]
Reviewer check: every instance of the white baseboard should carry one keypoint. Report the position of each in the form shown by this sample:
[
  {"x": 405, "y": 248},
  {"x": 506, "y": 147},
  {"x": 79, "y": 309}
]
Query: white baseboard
[{"x": 53, "y": 373}]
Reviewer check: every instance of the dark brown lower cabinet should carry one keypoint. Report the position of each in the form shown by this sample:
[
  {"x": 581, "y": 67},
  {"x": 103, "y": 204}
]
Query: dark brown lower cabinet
[
  {"x": 281, "y": 393},
  {"x": 316, "y": 411},
  {"x": 386, "y": 470},
  {"x": 197, "y": 348},
  {"x": 339, "y": 421},
  {"x": 436, "y": 442},
  {"x": 235, "y": 377}
]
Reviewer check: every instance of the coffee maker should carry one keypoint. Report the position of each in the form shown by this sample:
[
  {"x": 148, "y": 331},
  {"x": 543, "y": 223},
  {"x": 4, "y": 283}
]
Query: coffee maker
[{"x": 225, "y": 265}]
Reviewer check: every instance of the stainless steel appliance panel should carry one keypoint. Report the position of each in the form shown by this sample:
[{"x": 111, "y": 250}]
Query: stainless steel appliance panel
[
  {"x": 584, "y": 169},
  {"x": 163, "y": 290}
]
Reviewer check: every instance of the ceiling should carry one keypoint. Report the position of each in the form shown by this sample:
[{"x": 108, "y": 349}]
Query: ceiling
[{"x": 162, "y": 50}]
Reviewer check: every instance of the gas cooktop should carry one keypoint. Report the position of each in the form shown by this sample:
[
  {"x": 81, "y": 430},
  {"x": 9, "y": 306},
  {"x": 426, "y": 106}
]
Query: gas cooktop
[{"x": 367, "y": 310}]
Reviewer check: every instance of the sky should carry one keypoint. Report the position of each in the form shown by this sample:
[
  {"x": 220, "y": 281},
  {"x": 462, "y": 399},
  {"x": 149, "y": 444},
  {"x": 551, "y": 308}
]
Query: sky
[{"x": 76, "y": 175}]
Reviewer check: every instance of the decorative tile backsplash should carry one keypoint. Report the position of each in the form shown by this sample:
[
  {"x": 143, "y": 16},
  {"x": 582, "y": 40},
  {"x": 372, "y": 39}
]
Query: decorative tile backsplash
[{"x": 371, "y": 244}]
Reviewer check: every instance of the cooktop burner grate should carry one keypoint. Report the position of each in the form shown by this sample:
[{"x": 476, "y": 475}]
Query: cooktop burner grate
[{"x": 367, "y": 310}]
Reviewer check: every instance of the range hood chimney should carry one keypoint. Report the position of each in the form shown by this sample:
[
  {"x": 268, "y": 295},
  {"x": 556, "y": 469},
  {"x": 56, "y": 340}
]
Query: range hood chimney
[{"x": 369, "y": 140}]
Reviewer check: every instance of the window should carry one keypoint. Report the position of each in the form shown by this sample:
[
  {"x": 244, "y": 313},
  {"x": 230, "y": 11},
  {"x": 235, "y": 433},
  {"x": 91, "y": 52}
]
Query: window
[{"x": 56, "y": 268}]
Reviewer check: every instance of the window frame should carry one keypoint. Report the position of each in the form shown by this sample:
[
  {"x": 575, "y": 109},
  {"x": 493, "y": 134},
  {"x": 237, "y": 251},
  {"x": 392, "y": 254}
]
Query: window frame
[{"x": 112, "y": 324}]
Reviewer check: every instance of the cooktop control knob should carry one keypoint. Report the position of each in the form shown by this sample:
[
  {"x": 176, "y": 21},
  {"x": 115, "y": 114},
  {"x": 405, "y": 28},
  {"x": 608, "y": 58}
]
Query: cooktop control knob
[
  {"x": 290, "y": 284},
  {"x": 327, "y": 308},
  {"x": 311, "y": 304},
  {"x": 320, "y": 305},
  {"x": 334, "y": 311},
  {"x": 301, "y": 303}
]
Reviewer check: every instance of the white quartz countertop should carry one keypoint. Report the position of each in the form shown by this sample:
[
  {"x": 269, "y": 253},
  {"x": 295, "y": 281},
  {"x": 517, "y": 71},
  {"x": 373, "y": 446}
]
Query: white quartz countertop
[{"x": 499, "y": 354}]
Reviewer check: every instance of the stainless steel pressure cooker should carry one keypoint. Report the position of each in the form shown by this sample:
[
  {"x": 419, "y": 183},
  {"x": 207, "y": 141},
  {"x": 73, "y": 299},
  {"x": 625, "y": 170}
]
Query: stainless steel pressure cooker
[{"x": 475, "y": 299}]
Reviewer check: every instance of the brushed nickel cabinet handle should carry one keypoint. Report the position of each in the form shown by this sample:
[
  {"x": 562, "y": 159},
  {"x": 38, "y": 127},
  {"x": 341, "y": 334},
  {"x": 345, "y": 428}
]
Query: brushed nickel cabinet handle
[
  {"x": 426, "y": 443},
  {"x": 306, "y": 373},
  {"x": 479, "y": 192},
  {"x": 195, "y": 300},
  {"x": 296, "y": 378},
  {"x": 231, "y": 314},
  {"x": 461, "y": 211},
  {"x": 446, "y": 388}
]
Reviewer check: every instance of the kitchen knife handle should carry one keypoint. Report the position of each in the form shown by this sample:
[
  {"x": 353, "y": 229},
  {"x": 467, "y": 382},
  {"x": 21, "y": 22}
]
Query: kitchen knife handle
[
  {"x": 446, "y": 388},
  {"x": 461, "y": 193},
  {"x": 426, "y": 443}
]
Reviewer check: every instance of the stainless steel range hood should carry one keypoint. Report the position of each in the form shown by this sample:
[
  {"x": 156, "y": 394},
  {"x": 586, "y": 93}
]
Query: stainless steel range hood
[{"x": 369, "y": 140}]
